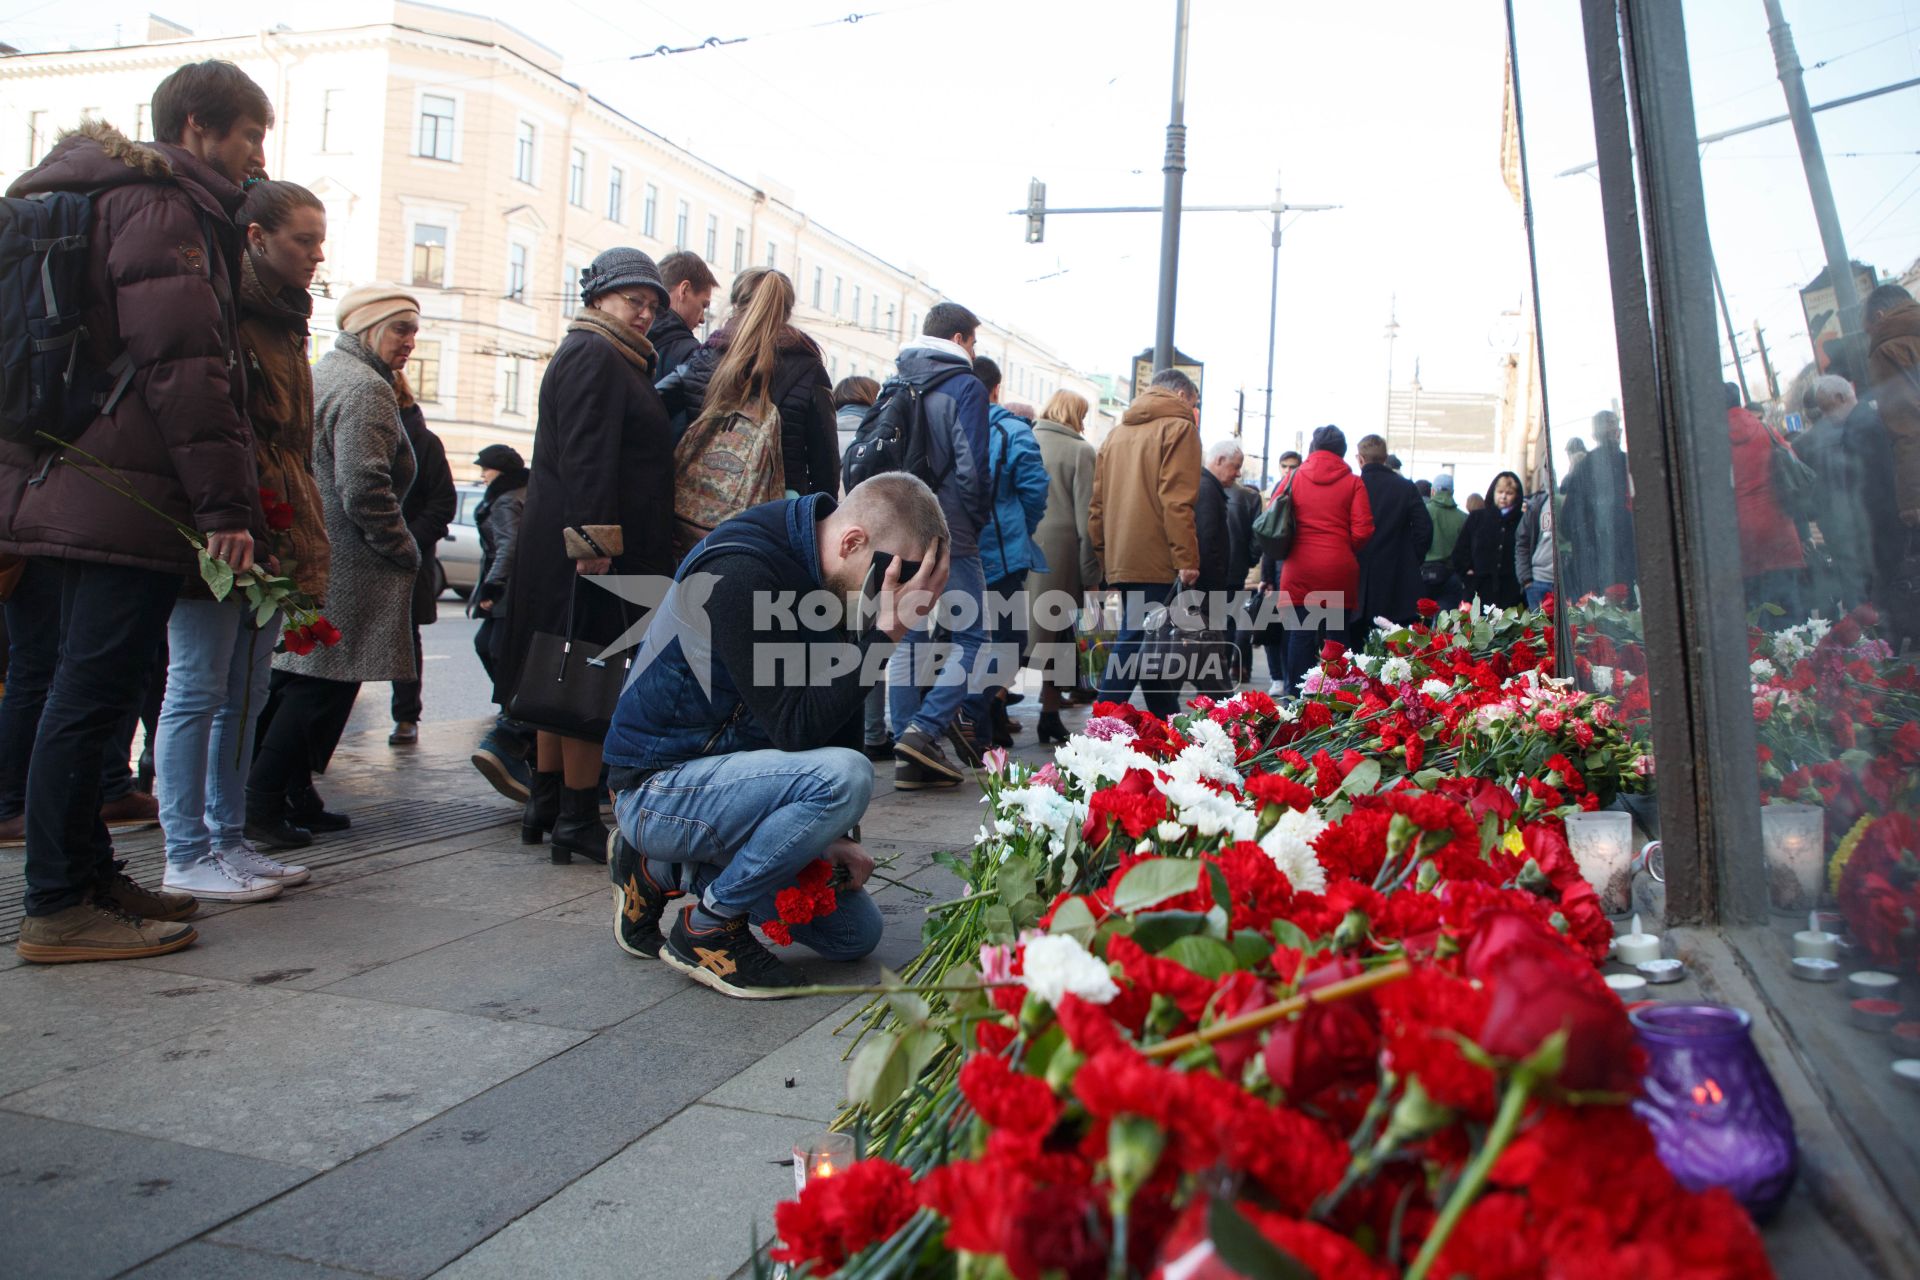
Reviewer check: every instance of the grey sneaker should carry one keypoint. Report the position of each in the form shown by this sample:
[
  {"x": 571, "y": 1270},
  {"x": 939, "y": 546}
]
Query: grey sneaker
[{"x": 917, "y": 747}]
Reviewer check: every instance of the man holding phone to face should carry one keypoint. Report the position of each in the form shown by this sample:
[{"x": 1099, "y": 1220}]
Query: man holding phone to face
[{"x": 731, "y": 770}]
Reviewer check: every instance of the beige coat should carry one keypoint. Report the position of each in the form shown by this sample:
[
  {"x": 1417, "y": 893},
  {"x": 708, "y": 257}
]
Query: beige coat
[
  {"x": 1144, "y": 487},
  {"x": 1063, "y": 535}
]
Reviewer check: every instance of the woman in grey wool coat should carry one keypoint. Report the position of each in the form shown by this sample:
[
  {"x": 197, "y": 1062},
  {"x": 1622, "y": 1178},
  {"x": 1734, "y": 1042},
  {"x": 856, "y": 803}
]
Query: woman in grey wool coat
[
  {"x": 363, "y": 464},
  {"x": 1063, "y": 537}
]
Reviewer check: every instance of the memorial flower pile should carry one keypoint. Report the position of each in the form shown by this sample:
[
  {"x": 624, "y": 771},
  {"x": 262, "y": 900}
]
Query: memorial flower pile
[{"x": 1301, "y": 991}]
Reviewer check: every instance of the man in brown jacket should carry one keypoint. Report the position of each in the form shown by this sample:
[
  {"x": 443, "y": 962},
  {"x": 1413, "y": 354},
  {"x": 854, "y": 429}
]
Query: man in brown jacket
[
  {"x": 1893, "y": 369},
  {"x": 163, "y": 277},
  {"x": 1145, "y": 483}
]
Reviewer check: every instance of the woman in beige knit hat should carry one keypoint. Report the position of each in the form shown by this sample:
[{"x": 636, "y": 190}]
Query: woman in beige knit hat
[{"x": 363, "y": 465}]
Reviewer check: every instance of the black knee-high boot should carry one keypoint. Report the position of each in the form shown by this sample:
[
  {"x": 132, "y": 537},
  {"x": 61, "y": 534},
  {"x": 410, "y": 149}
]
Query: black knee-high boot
[
  {"x": 543, "y": 807},
  {"x": 579, "y": 830}
]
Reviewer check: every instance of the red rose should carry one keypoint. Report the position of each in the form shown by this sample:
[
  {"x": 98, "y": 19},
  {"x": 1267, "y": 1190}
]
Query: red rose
[
  {"x": 299, "y": 640},
  {"x": 836, "y": 1217},
  {"x": 325, "y": 632},
  {"x": 1328, "y": 1044},
  {"x": 1426, "y": 608},
  {"x": 1540, "y": 988}
]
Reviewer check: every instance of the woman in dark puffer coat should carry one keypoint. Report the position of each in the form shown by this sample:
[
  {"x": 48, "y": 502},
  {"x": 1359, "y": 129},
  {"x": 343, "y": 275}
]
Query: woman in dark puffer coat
[
  {"x": 1483, "y": 555},
  {"x": 809, "y": 444}
]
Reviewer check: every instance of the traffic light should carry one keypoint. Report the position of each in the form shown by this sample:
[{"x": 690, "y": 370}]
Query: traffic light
[{"x": 1036, "y": 211}]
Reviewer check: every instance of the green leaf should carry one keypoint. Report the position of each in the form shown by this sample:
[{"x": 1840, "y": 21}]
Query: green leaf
[
  {"x": 878, "y": 1074},
  {"x": 264, "y": 611},
  {"x": 998, "y": 922},
  {"x": 1205, "y": 956},
  {"x": 1222, "y": 894},
  {"x": 1155, "y": 881},
  {"x": 907, "y": 1006},
  {"x": 1428, "y": 779},
  {"x": 1250, "y": 949},
  {"x": 1289, "y": 934},
  {"x": 1074, "y": 919},
  {"x": 217, "y": 574},
  {"x": 1242, "y": 1247},
  {"x": 1364, "y": 778},
  {"x": 1154, "y": 930}
]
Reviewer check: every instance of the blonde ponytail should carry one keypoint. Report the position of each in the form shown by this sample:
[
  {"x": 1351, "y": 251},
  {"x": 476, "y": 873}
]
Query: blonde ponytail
[{"x": 763, "y": 304}]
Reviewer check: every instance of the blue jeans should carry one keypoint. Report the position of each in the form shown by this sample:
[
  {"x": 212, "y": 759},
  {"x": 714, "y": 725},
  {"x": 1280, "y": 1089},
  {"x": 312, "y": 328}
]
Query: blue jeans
[
  {"x": 1303, "y": 650},
  {"x": 1121, "y": 675},
  {"x": 932, "y": 710},
  {"x": 218, "y": 671},
  {"x": 1536, "y": 592},
  {"x": 111, "y": 622},
  {"x": 745, "y": 824}
]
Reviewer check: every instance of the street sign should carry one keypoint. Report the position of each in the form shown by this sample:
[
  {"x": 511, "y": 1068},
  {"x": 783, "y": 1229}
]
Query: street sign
[{"x": 1143, "y": 371}]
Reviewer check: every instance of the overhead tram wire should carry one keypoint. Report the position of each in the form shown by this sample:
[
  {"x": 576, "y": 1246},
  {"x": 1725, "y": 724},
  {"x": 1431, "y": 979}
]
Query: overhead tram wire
[{"x": 715, "y": 42}]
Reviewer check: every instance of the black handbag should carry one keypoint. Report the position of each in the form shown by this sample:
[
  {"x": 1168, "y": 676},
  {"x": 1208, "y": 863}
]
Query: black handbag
[{"x": 565, "y": 687}]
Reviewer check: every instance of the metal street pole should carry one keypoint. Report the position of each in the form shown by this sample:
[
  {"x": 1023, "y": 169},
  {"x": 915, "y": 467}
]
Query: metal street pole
[
  {"x": 1733, "y": 343},
  {"x": 1273, "y": 325},
  {"x": 1175, "y": 168},
  {"x": 1839, "y": 265}
]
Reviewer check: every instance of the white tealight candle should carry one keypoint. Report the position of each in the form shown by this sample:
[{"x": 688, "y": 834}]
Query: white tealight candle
[
  {"x": 1815, "y": 943},
  {"x": 1636, "y": 947},
  {"x": 1871, "y": 984},
  {"x": 1663, "y": 970},
  {"x": 1808, "y": 969},
  {"x": 1628, "y": 986},
  {"x": 1907, "y": 1072}
]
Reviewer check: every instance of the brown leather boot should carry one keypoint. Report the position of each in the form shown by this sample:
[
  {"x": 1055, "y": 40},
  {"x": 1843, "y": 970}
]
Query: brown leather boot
[
  {"x": 96, "y": 931},
  {"x": 134, "y": 898}
]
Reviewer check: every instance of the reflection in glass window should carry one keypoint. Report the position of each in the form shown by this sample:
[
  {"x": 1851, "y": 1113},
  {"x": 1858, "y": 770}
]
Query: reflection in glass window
[
  {"x": 423, "y": 370},
  {"x": 429, "y": 255}
]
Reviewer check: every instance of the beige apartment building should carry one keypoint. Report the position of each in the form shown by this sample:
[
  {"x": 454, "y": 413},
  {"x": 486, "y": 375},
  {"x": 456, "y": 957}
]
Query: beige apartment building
[{"x": 453, "y": 155}]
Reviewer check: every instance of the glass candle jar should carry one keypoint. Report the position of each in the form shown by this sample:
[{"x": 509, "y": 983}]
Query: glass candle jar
[
  {"x": 1794, "y": 836},
  {"x": 1602, "y": 847},
  {"x": 1716, "y": 1115}
]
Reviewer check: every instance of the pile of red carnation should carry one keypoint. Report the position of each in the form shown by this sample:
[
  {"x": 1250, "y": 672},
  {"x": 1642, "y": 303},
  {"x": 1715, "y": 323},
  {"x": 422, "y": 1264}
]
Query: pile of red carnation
[
  {"x": 809, "y": 899},
  {"x": 1880, "y": 891}
]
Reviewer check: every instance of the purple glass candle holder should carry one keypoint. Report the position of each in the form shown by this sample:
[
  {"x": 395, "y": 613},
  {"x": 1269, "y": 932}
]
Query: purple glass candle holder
[{"x": 1717, "y": 1117}]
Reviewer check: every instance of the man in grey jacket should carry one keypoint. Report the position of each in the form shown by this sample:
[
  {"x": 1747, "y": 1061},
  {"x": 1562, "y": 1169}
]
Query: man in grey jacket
[
  {"x": 924, "y": 705},
  {"x": 1533, "y": 548}
]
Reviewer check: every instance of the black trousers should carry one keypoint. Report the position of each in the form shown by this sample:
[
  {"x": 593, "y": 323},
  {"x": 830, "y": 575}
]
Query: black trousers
[
  {"x": 299, "y": 729},
  {"x": 406, "y": 693}
]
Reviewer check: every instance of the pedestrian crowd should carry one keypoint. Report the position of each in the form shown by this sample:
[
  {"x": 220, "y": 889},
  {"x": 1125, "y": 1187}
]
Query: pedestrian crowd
[{"x": 681, "y": 474}]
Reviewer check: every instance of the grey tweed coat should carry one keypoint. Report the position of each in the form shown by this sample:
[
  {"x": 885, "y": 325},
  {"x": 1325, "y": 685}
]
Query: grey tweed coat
[{"x": 364, "y": 465}]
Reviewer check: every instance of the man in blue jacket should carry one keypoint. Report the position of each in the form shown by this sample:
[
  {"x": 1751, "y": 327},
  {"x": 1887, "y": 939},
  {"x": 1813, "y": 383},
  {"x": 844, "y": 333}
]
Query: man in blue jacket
[
  {"x": 924, "y": 701},
  {"x": 1017, "y": 477},
  {"x": 734, "y": 753}
]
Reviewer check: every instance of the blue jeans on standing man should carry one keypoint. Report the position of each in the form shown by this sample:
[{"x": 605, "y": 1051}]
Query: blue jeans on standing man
[
  {"x": 745, "y": 824},
  {"x": 1137, "y": 599},
  {"x": 932, "y": 710},
  {"x": 216, "y": 690},
  {"x": 1538, "y": 591}
]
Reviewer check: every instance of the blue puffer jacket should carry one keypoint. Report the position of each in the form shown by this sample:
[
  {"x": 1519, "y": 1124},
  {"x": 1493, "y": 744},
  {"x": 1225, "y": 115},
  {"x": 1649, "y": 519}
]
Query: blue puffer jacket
[
  {"x": 1018, "y": 476},
  {"x": 957, "y": 419}
]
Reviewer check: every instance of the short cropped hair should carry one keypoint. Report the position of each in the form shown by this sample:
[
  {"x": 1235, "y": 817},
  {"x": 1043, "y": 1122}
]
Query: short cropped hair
[
  {"x": 1289, "y": 454},
  {"x": 1883, "y": 300},
  {"x": 1224, "y": 449},
  {"x": 216, "y": 93},
  {"x": 987, "y": 371},
  {"x": 858, "y": 389},
  {"x": 895, "y": 503},
  {"x": 1177, "y": 382},
  {"x": 684, "y": 265},
  {"x": 1371, "y": 449},
  {"x": 949, "y": 318}
]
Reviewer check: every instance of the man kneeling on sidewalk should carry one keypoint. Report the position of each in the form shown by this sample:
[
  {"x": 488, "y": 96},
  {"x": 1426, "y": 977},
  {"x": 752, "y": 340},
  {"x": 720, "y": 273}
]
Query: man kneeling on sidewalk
[{"x": 734, "y": 753}]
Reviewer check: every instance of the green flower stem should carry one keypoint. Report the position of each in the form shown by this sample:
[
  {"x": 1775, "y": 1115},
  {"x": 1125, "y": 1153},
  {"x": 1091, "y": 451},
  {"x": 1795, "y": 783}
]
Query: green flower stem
[{"x": 1513, "y": 1105}]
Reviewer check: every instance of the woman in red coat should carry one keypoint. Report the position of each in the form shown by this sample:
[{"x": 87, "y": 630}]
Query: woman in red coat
[
  {"x": 1770, "y": 555},
  {"x": 1332, "y": 520}
]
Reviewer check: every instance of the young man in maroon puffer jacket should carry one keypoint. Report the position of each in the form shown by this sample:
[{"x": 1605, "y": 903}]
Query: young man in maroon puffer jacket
[{"x": 163, "y": 276}]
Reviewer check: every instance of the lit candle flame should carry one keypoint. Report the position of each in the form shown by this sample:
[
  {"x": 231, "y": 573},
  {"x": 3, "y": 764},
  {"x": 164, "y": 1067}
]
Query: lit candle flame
[
  {"x": 1708, "y": 1092},
  {"x": 825, "y": 1168}
]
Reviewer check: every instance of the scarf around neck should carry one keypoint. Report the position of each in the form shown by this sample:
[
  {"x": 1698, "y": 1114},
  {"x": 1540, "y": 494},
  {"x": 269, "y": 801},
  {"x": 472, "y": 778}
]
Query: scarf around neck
[
  {"x": 627, "y": 340},
  {"x": 287, "y": 305}
]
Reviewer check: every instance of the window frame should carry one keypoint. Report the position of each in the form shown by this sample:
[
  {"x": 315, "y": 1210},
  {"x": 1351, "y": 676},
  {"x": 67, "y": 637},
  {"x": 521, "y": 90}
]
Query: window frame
[
  {"x": 616, "y": 193},
  {"x": 426, "y": 389},
  {"x": 739, "y": 249},
  {"x": 713, "y": 237},
  {"x": 453, "y": 129},
  {"x": 415, "y": 245},
  {"x": 579, "y": 169},
  {"x": 682, "y": 223},
  {"x": 649, "y": 209},
  {"x": 519, "y": 268},
  {"x": 526, "y": 152}
]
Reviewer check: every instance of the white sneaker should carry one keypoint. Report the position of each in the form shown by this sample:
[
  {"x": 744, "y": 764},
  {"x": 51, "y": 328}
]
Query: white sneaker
[
  {"x": 251, "y": 861},
  {"x": 214, "y": 879}
]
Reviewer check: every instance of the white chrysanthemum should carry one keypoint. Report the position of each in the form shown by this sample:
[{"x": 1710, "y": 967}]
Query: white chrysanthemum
[
  {"x": 1762, "y": 670},
  {"x": 1435, "y": 688},
  {"x": 1206, "y": 811},
  {"x": 1367, "y": 662},
  {"x": 1817, "y": 628},
  {"x": 1209, "y": 753},
  {"x": 1169, "y": 832},
  {"x": 1396, "y": 671},
  {"x": 1290, "y": 845},
  {"x": 1057, "y": 966},
  {"x": 1603, "y": 679},
  {"x": 1041, "y": 808},
  {"x": 1090, "y": 761}
]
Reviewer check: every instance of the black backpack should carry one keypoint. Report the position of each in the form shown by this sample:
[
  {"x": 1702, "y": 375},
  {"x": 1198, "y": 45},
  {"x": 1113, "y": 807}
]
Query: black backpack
[
  {"x": 43, "y": 280},
  {"x": 893, "y": 435}
]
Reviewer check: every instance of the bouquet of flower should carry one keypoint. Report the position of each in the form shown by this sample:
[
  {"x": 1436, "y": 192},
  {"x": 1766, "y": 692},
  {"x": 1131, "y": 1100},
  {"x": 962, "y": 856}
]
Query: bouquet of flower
[{"x": 1878, "y": 873}]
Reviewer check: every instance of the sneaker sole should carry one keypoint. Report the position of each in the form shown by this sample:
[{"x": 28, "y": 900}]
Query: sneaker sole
[
  {"x": 39, "y": 954},
  {"x": 236, "y": 895},
  {"x": 620, "y": 938},
  {"x": 936, "y": 784},
  {"x": 939, "y": 766},
  {"x": 287, "y": 882},
  {"x": 714, "y": 982},
  {"x": 494, "y": 770}
]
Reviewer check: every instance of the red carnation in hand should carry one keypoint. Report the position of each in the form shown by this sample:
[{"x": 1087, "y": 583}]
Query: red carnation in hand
[
  {"x": 836, "y": 1217},
  {"x": 324, "y": 632}
]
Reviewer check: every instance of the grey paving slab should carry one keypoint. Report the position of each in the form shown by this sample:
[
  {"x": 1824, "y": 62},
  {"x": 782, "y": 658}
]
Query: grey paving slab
[
  {"x": 59, "y": 1019},
  {"x": 654, "y": 1212},
  {"x": 813, "y": 1061},
  {"x": 595, "y": 908},
  {"x": 499, "y": 877},
  {"x": 312, "y": 1080},
  {"x": 82, "y": 1202},
  {"x": 308, "y": 941},
  {"x": 418, "y": 1202},
  {"x": 542, "y": 971},
  {"x": 201, "y": 1261},
  {"x": 701, "y": 1020}
]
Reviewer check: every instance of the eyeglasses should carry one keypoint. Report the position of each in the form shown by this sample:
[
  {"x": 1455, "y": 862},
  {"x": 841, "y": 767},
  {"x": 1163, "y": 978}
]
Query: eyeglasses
[{"x": 639, "y": 302}]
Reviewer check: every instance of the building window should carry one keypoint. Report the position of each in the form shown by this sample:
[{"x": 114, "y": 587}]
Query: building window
[
  {"x": 773, "y": 254},
  {"x": 436, "y": 127},
  {"x": 649, "y": 209},
  {"x": 617, "y": 194},
  {"x": 430, "y": 255},
  {"x": 517, "y": 272},
  {"x": 523, "y": 140},
  {"x": 141, "y": 116},
  {"x": 423, "y": 371},
  {"x": 577, "y": 180},
  {"x": 739, "y": 248},
  {"x": 819, "y": 276},
  {"x": 893, "y": 323},
  {"x": 836, "y": 295},
  {"x": 682, "y": 216},
  {"x": 713, "y": 236},
  {"x": 36, "y": 122},
  {"x": 856, "y": 305},
  {"x": 510, "y": 387},
  {"x": 329, "y": 124},
  {"x": 913, "y": 329},
  {"x": 570, "y": 290},
  {"x": 833, "y": 370},
  {"x": 873, "y": 321}
]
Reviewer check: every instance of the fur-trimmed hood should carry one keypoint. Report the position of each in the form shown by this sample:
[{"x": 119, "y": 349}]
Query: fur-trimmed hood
[{"x": 97, "y": 156}]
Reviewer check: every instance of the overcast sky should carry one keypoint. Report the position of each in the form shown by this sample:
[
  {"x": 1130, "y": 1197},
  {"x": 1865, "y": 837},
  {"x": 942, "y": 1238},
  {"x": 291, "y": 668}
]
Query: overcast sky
[{"x": 915, "y": 130}]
